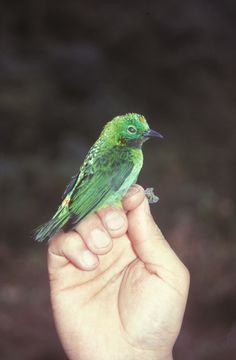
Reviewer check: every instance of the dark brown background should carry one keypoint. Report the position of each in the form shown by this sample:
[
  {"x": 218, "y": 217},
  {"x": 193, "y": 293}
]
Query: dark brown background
[{"x": 66, "y": 67}]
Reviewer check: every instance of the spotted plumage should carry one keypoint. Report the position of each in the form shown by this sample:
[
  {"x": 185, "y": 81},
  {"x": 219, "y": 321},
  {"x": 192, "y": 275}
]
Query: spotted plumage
[{"x": 111, "y": 166}]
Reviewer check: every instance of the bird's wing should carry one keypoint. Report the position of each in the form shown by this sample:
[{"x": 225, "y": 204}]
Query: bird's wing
[
  {"x": 95, "y": 188},
  {"x": 85, "y": 171},
  {"x": 70, "y": 185}
]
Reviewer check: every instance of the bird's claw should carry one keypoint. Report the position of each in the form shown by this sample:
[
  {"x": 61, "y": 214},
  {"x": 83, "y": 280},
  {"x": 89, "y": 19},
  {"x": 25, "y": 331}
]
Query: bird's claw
[{"x": 152, "y": 198}]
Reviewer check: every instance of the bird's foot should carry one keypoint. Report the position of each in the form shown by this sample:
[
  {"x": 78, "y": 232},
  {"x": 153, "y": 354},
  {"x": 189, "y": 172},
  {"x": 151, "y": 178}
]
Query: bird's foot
[{"x": 152, "y": 198}]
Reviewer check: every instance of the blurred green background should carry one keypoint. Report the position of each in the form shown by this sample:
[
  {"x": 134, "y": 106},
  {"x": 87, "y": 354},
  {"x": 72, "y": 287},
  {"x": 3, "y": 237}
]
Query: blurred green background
[{"x": 67, "y": 67}]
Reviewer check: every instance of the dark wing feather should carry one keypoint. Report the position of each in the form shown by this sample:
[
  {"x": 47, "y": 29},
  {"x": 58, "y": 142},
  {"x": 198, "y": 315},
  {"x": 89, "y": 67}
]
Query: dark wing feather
[
  {"x": 92, "y": 193},
  {"x": 86, "y": 170},
  {"x": 70, "y": 185}
]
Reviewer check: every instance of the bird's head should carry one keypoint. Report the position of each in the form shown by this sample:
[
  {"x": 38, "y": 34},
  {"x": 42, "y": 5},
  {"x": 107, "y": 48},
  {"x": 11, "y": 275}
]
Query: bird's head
[{"x": 130, "y": 130}]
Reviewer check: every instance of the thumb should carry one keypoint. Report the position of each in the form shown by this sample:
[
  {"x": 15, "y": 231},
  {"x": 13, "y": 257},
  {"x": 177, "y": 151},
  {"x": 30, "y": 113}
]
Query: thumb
[{"x": 151, "y": 247}]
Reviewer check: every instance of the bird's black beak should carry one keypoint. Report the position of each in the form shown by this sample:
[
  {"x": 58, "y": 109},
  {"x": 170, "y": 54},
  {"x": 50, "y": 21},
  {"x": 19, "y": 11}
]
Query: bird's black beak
[{"x": 152, "y": 133}]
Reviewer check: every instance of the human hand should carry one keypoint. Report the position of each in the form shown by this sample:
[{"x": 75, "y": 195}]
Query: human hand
[{"x": 118, "y": 290}]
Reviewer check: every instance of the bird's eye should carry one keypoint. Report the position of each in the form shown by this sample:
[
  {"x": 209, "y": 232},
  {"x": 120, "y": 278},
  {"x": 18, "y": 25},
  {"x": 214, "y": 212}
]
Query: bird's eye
[{"x": 132, "y": 129}]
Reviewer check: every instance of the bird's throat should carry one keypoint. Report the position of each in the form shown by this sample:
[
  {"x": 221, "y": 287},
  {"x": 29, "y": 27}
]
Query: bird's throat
[{"x": 136, "y": 143}]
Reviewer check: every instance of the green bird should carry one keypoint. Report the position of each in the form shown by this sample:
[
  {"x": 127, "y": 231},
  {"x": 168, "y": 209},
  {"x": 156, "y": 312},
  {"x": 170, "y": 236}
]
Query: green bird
[{"x": 111, "y": 166}]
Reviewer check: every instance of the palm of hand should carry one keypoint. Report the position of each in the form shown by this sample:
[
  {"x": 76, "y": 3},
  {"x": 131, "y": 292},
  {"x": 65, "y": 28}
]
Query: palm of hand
[
  {"x": 113, "y": 305},
  {"x": 132, "y": 304}
]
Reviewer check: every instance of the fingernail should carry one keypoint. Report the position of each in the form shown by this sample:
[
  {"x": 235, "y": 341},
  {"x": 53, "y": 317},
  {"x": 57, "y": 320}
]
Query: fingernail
[
  {"x": 88, "y": 258},
  {"x": 99, "y": 238},
  {"x": 134, "y": 189},
  {"x": 114, "y": 221}
]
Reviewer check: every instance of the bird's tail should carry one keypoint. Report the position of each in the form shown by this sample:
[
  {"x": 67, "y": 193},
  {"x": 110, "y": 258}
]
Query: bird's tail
[{"x": 47, "y": 230}]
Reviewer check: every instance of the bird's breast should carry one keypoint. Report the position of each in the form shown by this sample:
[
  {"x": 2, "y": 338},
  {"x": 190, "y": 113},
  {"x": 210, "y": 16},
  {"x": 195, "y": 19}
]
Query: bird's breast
[{"x": 133, "y": 160}]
